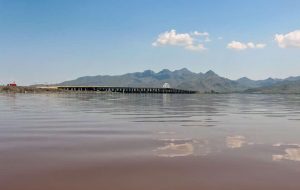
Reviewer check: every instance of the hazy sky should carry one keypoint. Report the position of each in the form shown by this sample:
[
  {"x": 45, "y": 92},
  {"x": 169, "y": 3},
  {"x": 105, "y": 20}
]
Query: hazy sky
[{"x": 56, "y": 40}]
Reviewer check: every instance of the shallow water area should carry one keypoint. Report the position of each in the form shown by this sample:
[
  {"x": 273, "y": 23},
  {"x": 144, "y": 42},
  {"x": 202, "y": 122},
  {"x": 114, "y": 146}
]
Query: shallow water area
[{"x": 149, "y": 141}]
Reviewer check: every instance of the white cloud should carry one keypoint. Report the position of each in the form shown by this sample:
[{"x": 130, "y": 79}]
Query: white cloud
[
  {"x": 187, "y": 40},
  {"x": 255, "y": 46},
  {"x": 242, "y": 46},
  {"x": 236, "y": 45},
  {"x": 250, "y": 45},
  {"x": 291, "y": 39},
  {"x": 202, "y": 34},
  {"x": 198, "y": 47},
  {"x": 196, "y": 33},
  {"x": 172, "y": 38},
  {"x": 260, "y": 46}
]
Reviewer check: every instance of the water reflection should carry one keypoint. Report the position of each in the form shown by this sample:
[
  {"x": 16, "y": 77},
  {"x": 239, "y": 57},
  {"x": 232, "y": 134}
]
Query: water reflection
[
  {"x": 164, "y": 125},
  {"x": 235, "y": 141},
  {"x": 182, "y": 147},
  {"x": 292, "y": 152},
  {"x": 175, "y": 149}
]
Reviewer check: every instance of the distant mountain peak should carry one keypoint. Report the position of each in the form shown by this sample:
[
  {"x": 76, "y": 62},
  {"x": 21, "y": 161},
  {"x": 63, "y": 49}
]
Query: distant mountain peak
[
  {"x": 184, "y": 79},
  {"x": 292, "y": 78},
  {"x": 244, "y": 79},
  {"x": 147, "y": 73},
  {"x": 210, "y": 73},
  {"x": 184, "y": 70},
  {"x": 164, "y": 71},
  {"x": 270, "y": 79}
]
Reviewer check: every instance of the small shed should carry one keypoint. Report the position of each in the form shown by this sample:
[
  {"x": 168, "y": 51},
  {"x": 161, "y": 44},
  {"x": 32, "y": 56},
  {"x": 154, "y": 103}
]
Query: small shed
[{"x": 12, "y": 84}]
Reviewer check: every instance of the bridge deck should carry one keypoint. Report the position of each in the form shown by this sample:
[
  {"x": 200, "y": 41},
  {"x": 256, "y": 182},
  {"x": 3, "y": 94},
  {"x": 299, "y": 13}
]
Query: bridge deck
[{"x": 127, "y": 89}]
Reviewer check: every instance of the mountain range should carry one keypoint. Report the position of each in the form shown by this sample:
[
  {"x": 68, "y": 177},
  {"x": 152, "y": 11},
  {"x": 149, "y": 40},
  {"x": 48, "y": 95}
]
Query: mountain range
[{"x": 185, "y": 79}]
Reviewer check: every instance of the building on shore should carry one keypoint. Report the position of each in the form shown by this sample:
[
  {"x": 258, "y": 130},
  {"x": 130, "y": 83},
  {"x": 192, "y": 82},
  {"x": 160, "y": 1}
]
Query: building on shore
[{"x": 12, "y": 84}]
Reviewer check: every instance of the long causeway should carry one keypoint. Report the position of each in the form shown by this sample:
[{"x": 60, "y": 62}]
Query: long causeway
[{"x": 127, "y": 89}]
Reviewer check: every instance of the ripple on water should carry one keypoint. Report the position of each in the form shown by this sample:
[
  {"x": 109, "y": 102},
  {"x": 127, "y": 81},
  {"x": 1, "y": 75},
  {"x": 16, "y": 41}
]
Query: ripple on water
[{"x": 97, "y": 130}]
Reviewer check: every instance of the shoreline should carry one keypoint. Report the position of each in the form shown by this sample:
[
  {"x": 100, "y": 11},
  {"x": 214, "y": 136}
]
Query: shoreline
[
  {"x": 27, "y": 89},
  {"x": 37, "y": 90},
  {"x": 46, "y": 90}
]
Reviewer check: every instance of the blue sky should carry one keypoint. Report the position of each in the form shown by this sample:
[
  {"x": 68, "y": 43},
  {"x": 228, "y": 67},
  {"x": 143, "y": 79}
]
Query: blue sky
[{"x": 56, "y": 40}]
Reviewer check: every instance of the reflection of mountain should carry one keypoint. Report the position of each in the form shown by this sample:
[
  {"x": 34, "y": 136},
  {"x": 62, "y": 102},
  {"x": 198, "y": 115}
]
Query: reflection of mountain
[{"x": 185, "y": 79}]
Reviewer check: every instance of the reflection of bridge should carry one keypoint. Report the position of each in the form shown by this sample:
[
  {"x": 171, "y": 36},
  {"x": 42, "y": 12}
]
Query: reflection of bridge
[{"x": 126, "y": 89}]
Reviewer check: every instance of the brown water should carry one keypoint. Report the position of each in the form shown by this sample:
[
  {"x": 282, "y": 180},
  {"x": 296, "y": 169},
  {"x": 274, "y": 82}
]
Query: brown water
[{"x": 149, "y": 142}]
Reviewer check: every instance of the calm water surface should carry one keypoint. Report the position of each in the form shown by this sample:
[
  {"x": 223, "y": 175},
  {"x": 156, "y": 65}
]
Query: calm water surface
[{"x": 149, "y": 142}]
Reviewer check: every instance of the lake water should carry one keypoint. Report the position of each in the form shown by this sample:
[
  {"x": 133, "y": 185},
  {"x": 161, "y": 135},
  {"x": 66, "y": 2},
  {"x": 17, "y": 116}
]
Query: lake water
[{"x": 149, "y": 142}]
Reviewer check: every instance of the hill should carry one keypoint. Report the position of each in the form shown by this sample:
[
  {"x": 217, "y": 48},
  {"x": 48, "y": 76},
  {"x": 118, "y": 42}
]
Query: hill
[
  {"x": 187, "y": 80},
  {"x": 183, "y": 79},
  {"x": 283, "y": 87}
]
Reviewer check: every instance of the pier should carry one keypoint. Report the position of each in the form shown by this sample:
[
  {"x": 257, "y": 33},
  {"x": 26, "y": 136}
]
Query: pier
[{"x": 126, "y": 89}]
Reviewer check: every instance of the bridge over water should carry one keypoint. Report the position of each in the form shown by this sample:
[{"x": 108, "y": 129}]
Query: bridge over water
[{"x": 163, "y": 90}]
